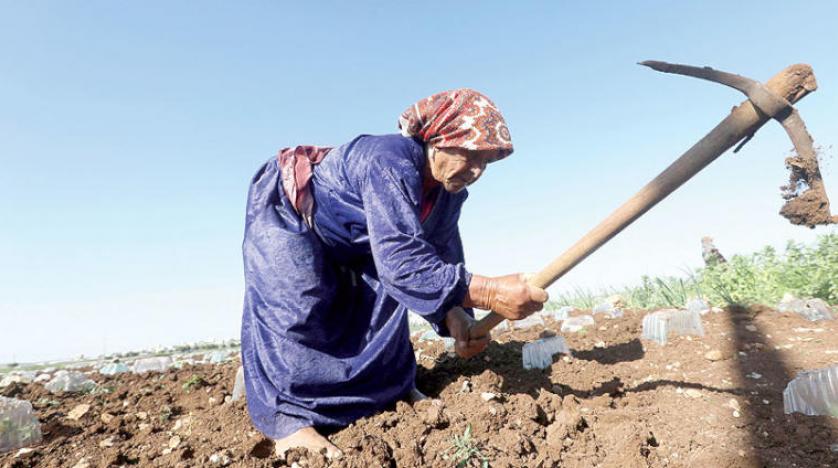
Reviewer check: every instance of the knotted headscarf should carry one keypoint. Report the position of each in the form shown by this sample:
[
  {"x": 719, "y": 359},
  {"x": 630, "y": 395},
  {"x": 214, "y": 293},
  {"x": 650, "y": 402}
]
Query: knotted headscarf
[{"x": 460, "y": 118}]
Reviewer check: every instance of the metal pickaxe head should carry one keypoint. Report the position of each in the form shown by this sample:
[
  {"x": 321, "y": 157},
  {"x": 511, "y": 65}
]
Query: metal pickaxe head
[{"x": 806, "y": 200}]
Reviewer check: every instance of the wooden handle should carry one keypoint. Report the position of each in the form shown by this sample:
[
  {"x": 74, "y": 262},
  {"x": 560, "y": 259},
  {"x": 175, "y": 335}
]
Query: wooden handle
[{"x": 793, "y": 83}]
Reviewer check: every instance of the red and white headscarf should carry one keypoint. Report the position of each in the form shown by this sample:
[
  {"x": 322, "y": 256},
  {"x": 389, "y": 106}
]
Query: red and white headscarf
[{"x": 460, "y": 118}]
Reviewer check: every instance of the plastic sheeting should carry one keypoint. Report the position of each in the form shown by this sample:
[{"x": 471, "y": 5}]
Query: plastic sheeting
[
  {"x": 814, "y": 393},
  {"x": 575, "y": 324},
  {"x": 539, "y": 354},
  {"x": 69, "y": 381},
  {"x": 154, "y": 364},
  {"x": 657, "y": 326},
  {"x": 18, "y": 425}
]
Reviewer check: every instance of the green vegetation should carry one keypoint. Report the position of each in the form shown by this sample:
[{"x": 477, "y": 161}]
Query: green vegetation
[
  {"x": 196, "y": 381},
  {"x": 466, "y": 451},
  {"x": 806, "y": 271}
]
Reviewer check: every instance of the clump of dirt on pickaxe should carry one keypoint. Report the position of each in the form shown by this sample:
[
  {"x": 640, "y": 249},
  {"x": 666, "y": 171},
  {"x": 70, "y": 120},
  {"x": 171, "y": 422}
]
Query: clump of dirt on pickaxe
[{"x": 806, "y": 201}]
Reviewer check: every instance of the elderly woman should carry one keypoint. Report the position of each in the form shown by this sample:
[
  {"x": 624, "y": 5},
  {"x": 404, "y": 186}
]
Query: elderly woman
[{"x": 340, "y": 243}]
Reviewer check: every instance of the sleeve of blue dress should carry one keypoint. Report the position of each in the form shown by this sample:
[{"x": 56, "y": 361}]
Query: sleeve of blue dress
[
  {"x": 411, "y": 269},
  {"x": 450, "y": 249}
]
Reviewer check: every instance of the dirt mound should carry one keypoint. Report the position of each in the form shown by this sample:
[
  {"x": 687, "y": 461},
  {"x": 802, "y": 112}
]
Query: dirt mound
[{"x": 710, "y": 401}]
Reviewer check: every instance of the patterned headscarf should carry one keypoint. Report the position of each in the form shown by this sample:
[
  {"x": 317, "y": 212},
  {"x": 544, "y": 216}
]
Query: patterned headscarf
[{"x": 460, "y": 118}]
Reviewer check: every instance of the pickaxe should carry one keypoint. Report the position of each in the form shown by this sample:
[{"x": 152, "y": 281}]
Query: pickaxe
[{"x": 806, "y": 203}]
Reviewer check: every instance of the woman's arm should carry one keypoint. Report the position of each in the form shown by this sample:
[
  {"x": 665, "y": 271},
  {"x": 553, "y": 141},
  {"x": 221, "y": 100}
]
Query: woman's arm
[{"x": 408, "y": 265}]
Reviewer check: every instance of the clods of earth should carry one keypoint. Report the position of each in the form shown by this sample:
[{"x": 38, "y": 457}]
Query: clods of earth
[{"x": 616, "y": 401}]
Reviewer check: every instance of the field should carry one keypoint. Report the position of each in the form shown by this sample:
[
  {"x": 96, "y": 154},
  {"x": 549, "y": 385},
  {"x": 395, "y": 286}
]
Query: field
[{"x": 615, "y": 401}]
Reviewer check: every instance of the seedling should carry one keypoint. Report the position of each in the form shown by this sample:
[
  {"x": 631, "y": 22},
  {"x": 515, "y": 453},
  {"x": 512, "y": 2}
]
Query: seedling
[
  {"x": 466, "y": 451},
  {"x": 196, "y": 381}
]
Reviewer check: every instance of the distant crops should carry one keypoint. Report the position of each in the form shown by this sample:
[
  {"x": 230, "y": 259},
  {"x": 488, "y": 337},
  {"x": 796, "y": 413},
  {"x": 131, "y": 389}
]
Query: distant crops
[{"x": 805, "y": 271}]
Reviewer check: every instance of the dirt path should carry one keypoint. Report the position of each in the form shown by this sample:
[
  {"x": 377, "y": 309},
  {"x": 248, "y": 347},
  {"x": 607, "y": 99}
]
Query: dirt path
[{"x": 616, "y": 402}]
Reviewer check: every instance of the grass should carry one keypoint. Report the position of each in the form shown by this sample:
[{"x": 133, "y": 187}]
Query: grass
[
  {"x": 806, "y": 271},
  {"x": 466, "y": 451}
]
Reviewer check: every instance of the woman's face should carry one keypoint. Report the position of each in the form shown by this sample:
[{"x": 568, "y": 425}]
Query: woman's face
[{"x": 457, "y": 168}]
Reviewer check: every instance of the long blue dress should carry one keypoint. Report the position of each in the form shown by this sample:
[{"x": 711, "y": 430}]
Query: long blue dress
[{"x": 324, "y": 335}]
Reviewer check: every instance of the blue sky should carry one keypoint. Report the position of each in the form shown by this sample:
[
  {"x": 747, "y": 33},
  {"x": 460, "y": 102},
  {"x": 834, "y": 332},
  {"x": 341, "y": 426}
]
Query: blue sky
[{"x": 129, "y": 131}]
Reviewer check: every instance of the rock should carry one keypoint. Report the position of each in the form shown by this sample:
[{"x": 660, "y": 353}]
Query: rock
[
  {"x": 693, "y": 393},
  {"x": 733, "y": 404},
  {"x": 76, "y": 413},
  {"x": 25, "y": 453},
  {"x": 219, "y": 459},
  {"x": 107, "y": 442},
  {"x": 754, "y": 375},
  {"x": 434, "y": 415},
  {"x": 183, "y": 426},
  {"x": 466, "y": 388},
  {"x": 751, "y": 328},
  {"x": 488, "y": 396},
  {"x": 83, "y": 463},
  {"x": 714, "y": 355},
  {"x": 568, "y": 423},
  {"x": 174, "y": 442},
  {"x": 142, "y": 415},
  {"x": 106, "y": 417}
]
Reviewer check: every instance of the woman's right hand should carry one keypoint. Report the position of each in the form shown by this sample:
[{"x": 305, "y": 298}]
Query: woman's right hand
[{"x": 509, "y": 296}]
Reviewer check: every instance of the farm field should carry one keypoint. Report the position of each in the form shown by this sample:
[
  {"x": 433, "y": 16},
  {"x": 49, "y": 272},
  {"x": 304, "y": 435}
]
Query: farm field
[{"x": 715, "y": 400}]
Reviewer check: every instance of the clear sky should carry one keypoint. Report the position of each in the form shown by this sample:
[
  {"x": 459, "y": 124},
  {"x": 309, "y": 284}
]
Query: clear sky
[{"x": 129, "y": 132}]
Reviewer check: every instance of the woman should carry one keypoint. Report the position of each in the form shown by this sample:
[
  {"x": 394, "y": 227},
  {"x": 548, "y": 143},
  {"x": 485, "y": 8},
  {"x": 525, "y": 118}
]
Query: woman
[{"x": 340, "y": 243}]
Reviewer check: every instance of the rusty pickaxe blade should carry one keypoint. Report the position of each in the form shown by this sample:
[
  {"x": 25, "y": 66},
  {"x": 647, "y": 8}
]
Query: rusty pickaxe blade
[{"x": 806, "y": 199}]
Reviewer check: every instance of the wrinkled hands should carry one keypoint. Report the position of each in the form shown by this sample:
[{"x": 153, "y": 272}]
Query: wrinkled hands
[
  {"x": 509, "y": 296},
  {"x": 459, "y": 325}
]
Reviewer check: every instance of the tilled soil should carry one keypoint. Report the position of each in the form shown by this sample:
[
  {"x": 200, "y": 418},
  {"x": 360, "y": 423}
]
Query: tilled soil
[{"x": 709, "y": 401}]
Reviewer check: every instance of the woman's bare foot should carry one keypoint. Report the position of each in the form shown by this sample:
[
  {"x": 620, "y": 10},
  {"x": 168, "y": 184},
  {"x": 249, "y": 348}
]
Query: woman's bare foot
[
  {"x": 308, "y": 438},
  {"x": 415, "y": 395}
]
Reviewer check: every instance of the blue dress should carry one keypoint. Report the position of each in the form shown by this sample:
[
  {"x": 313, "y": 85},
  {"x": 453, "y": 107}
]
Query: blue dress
[{"x": 324, "y": 336}]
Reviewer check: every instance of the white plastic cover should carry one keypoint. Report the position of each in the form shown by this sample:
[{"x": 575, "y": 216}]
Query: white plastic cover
[
  {"x": 814, "y": 393},
  {"x": 18, "y": 425}
]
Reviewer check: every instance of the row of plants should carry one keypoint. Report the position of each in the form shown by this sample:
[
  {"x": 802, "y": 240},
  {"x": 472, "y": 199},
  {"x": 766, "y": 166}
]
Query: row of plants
[{"x": 763, "y": 277}]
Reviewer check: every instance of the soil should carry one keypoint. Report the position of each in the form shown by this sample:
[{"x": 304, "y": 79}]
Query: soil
[
  {"x": 616, "y": 402},
  {"x": 811, "y": 206}
]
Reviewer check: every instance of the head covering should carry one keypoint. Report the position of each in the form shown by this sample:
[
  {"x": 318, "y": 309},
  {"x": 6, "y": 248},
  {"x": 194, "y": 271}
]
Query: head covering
[{"x": 460, "y": 118}]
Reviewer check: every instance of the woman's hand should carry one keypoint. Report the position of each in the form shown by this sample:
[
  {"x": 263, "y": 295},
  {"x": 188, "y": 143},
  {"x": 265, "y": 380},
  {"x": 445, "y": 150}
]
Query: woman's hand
[
  {"x": 509, "y": 296},
  {"x": 459, "y": 325}
]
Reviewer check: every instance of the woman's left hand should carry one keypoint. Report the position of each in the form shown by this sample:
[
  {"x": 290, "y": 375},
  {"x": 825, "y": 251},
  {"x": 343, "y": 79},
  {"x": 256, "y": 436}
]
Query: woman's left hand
[{"x": 459, "y": 325}]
